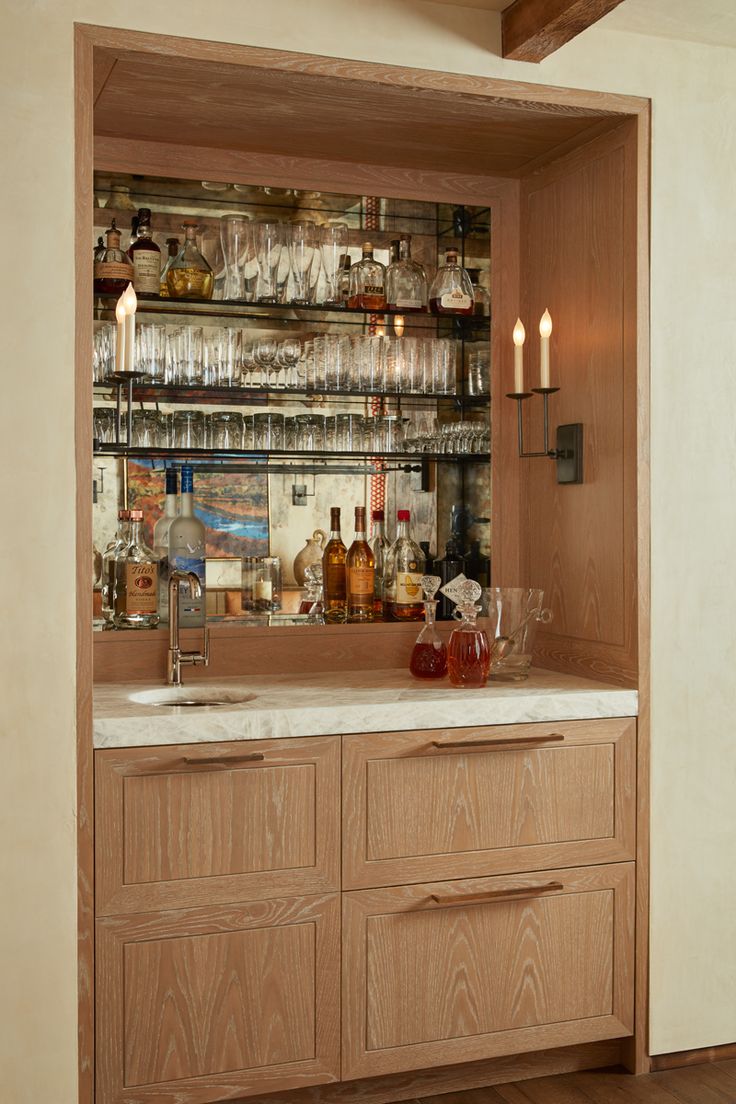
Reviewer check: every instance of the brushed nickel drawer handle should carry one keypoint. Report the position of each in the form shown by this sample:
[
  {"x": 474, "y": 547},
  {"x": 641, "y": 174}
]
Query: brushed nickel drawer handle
[
  {"x": 215, "y": 761},
  {"x": 496, "y": 894},
  {"x": 552, "y": 738}
]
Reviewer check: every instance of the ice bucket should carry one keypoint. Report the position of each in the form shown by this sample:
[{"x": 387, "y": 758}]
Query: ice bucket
[{"x": 511, "y": 616}]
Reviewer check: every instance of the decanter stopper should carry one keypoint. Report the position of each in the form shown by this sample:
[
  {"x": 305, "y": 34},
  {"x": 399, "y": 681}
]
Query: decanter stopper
[{"x": 430, "y": 584}]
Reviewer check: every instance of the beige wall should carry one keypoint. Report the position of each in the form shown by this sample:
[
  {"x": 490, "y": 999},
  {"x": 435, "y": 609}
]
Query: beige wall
[{"x": 693, "y": 453}]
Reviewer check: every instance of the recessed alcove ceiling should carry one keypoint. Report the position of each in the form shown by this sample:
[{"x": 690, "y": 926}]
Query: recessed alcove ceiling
[{"x": 323, "y": 115}]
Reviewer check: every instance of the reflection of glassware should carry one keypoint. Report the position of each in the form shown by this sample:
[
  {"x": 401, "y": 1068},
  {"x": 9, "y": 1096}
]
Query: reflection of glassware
[
  {"x": 468, "y": 655},
  {"x": 303, "y": 251},
  {"x": 190, "y": 276},
  {"x": 334, "y": 244},
  {"x": 108, "y": 565},
  {"x": 234, "y": 237},
  {"x": 513, "y": 615},
  {"x": 379, "y": 546},
  {"x": 429, "y": 655},
  {"x": 269, "y": 243},
  {"x": 312, "y": 603}
]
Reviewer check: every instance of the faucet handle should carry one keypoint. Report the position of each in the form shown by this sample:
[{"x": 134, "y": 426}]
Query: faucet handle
[{"x": 204, "y": 657}]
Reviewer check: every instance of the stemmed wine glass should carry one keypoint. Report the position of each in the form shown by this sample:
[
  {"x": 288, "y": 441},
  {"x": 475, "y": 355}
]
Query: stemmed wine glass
[
  {"x": 264, "y": 352},
  {"x": 290, "y": 350},
  {"x": 333, "y": 245},
  {"x": 303, "y": 250},
  {"x": 234, "y": 235},
  {"x": 269, "y": 242}
]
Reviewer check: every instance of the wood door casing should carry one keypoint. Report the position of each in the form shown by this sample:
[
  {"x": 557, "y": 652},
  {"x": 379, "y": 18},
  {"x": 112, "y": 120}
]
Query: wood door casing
[
  {"x": 192, "y": 824},
  {"x": 428, "y": 983},
  {"x": 413, "y": 812},
  {"x": 218, "y": 1003}
]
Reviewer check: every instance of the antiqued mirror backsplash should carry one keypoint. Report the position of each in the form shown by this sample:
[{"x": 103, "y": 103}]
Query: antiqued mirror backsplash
[{"x": 286, "y": 353}]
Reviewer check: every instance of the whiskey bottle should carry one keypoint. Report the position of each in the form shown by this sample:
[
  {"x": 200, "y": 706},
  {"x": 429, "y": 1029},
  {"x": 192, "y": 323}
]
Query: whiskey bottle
[
  {"x": 406, "y": 281},
  {"x": 172, "y": 244},
  {"x": 367, "y": 283},
  {"x": 343, "y": 280},
  {"x": 187, "y": 552},
  {"x": 333, "y": 572},
  {"x": 190, "y": 277},
  {"x": 360, "y": 573},
  {"x": 136, "y": 580},
  {"x": 113, "y": 271},
  {"x": 379, "y": 548},
  {"x": 403, "y": 599},
  {"x": 451, "y": 291},
  {"x": 146, "y": 258},
  {"x": 161, "y": 542},
  {"x": 107, "y": 574}
]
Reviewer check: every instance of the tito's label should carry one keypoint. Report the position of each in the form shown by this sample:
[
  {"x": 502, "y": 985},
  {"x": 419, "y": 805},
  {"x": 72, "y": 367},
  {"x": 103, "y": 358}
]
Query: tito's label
[
  {"x": 361, "y": 581},
  {"x": 141, "y": 588},
  {"x": 408, "y": 588}
]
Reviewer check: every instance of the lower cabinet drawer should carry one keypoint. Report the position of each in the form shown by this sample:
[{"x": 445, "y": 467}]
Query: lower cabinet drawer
[
  {"x": 216, "y": 1004},
  {"x": 459, "y": 971}
]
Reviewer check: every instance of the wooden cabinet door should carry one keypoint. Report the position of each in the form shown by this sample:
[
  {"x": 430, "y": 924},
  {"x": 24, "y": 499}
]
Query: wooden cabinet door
[
  {"x": 469, "y": 802},
  {"x": 196, "y": 824},
  {"x": 216, "y": 1004},
  {"x": 460, "y": 971}
]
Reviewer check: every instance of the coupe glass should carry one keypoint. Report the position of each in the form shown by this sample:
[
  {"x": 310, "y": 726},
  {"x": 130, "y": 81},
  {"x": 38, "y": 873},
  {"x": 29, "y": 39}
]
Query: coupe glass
[
  {"x": 303, "y": 250},
  {"x": 333, "y": 245},
  {"x": 235, "y": 238},
  {"x": 269, "y": 243}
]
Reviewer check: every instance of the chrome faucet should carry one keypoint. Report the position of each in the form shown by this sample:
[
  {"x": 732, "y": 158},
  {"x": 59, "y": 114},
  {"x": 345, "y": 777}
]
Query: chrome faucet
[{"x": 176, "y": 657}]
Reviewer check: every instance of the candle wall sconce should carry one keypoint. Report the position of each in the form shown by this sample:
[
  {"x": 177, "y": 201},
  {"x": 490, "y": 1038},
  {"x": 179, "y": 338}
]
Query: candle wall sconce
[{"x": 568, "y": 453}]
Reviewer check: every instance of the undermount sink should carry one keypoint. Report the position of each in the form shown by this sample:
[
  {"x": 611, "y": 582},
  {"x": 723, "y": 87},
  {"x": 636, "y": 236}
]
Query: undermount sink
[{"x": 191, "y": 696}]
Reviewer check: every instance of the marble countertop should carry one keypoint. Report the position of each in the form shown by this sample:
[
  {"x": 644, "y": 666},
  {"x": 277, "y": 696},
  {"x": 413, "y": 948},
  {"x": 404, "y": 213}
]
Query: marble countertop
[{"x": 342, "y": 702}]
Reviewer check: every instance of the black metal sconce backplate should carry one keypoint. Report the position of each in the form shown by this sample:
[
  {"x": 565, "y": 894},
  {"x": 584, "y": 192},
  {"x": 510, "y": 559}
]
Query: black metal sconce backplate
[{"x": 569, "y": 453}]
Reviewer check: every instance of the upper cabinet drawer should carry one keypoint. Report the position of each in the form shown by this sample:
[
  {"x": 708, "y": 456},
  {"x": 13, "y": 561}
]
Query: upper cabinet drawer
[
  {"x": 199, "y": 824},
  {"x": 460, "y": 803}
]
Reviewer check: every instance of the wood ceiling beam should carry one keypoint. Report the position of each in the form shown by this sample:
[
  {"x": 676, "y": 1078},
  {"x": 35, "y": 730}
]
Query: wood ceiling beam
[{"x": 533, "y": 29}]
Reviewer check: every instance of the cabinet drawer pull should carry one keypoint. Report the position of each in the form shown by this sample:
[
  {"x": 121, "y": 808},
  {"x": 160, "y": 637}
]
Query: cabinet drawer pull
[
  {"x": 496, "y": 894},
  {"x": 214, "y": 761},
  {"x": 551, "y": 738}
]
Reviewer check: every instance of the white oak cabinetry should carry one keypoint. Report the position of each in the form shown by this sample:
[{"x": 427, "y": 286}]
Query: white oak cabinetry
[{"x": 487, "y": 906}]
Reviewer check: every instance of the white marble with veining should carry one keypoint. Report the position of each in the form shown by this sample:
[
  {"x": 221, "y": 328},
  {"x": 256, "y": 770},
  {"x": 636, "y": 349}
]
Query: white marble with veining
[{"x": 342, "y": 702}]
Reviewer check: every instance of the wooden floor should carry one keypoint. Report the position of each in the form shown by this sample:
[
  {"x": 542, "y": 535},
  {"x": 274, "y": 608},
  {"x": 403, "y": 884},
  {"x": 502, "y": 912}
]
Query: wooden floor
[{"x": 713, "y": 1083}]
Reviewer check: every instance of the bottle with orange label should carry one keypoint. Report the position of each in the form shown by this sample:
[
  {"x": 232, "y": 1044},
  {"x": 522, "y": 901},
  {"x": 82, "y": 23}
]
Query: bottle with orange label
[
  {"x": 360, "y": 572},
  {"x": 135, "y": 601},
  {"x": 403, "y": 599}
]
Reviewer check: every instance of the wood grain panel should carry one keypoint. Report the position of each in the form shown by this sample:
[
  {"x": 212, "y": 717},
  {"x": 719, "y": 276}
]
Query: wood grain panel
[
  {"x": 531, "y": 30},
  {"x": 579, "y": 259},
  {"x": 412, "y": 811},
  {"x": 218, "y": 1003},
  {"x": 420, "y": 986},
  {"x": 173, "y": 832}
]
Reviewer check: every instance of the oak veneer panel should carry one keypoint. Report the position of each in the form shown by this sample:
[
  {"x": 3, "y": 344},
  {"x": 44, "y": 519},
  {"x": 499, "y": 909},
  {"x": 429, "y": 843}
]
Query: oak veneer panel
[
  {"x": 428, "y": 982},
  {"x": 218, "y": 1003},
  {"x": 579, "y": 259},
  {"x": 412, "y": 811},
  {"x": 173, "y": 831},
  {"x": 531, "y": 30}
]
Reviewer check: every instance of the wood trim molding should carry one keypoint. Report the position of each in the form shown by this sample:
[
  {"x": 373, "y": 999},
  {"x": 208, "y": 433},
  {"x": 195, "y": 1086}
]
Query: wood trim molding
[
  {"x": 531, "y": 30},
  {"x": 679, "y": 1058}
]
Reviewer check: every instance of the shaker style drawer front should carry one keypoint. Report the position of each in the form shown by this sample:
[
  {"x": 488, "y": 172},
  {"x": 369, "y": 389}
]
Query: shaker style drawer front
[
  {"x": 212, "y": 1004},
  {"x": 471, "y": 802},
  {"x": 461, "y": 971},
  {"x": 210, "y": 823}
]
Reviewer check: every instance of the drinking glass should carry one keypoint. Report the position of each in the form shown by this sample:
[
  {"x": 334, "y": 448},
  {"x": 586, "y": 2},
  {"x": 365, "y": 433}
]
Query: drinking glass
[
  {"x": 309, "y": 433},
  {"x": 146, "y": 429},
  {"x": 264, "y": 352},
  {"x": 303, "y": 251},
  {"x": 269, "y": 243},
  {"x": 103, "y": 352},
  {"x": 248, "y": 442},
  {"x": 333, "y": 246},
  {"x": 411, "y": 378},
  {"x": 234, "y": 236},
  {"x": 228, "y": 368},
  {"x": 226, "y": 430},
  {"x": 188, "y": 346},
  {"x": 188, "y": 429},
  {"x": 479, "y": 372},
  {"x": 250, "y": 370},
  {"x": 512, "y": 614},
  {"x": 268, "y": 430},
  {"x": 150, "y": 352},
  {"x": 103, "y": 425},
  {"x": 444, "y": 365},
  {"x": 287, "y": 357},
  {"x": 349, "y": 433},
  {"x": 248, "y": 584}
]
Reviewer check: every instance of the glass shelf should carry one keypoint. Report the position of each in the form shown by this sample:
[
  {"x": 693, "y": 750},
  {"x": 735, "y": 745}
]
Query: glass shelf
[
  {"x": 265, "y": 455},
  {"x": 254, "y": 396}
]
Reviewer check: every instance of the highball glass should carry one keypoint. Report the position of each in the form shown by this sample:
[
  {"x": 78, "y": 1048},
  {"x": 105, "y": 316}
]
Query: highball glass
[
  {"x": 333, "y": 246},
  {"x": 304, "y": 252}
]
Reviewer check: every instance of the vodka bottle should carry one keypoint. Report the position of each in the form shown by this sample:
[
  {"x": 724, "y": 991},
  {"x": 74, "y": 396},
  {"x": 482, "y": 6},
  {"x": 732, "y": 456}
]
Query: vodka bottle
[
  {"x": 187, "y": 553},
  {"x": 161, "y": 542},
  {"x": 136, "y": 581}
]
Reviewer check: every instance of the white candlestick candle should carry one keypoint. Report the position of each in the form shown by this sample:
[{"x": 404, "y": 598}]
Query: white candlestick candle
[
  {"x": 130, "y": 303},
  {"x": 545, "y": 329},
  {"x": 519, "y": 336},
  {"x": 120, "y": 335}
]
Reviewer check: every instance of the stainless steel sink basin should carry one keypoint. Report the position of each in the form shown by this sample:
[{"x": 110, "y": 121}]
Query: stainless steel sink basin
[{"x": 192, "y": 696}]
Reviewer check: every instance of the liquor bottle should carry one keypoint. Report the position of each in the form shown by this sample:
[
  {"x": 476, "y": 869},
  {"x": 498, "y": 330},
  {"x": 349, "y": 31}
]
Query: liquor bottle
[
  {"x": 190, "y": 277},
  {"x": 468, "y": 653},
  {"x": 133, "y": 234},
  {"x": 146, "y": 258},
  {"x": 114, "y": 271},
  {"x": 477, "y": 566},
  {"x": 406, "y": 281},
  {"x": 161, "y": 542},
  {"x": 99, "y": 250},
  {"x": 367, "y": 282},
  {"x": 360, "y": 573},
  {"x": 451, "y": 565},
  {"x": 429, "y": 655},
  {"x": 404, "y": 570},
  {"x": 172, "y": 245},
  {"x": 136, "y": 580},
  {"x": 187, "y": 552},
  {"x": 428, "y": 557},
  {"x": 379, "y": 547},
  {"x": 481, "y": 295},
  {"x": 333, "y": 571},
  {"x": 343, "y": 280},
  {"x": 108, "y": 566},
  {"x": 451, "y": 291}
]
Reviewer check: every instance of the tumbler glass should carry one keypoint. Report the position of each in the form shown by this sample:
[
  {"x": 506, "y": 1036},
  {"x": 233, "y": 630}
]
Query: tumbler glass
[
  {"x": 349, "y": 433},
  {"x": 146, "y": 429},
  {"x": 103, "y": 425},
  {"x": 188, "y": 429},
  {"x": 333, "y": 245},
  {"x": 150, "y": 354},
  {"x": 226, "y": 430},
  {"x": 309, "y": 433},
  {"x": 268, "y": 430},
  {"x": 269, "y": 242},
  {"x": 188, "y": 344},
  {"x": 103, "y": 352},
  {"x": 304, "y": 252}
]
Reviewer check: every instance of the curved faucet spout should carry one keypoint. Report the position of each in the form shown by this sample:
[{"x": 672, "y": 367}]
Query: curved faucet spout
[{"x": 176, "y": 657}]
